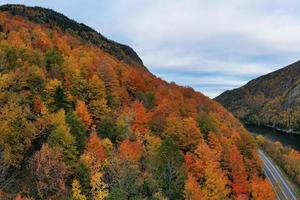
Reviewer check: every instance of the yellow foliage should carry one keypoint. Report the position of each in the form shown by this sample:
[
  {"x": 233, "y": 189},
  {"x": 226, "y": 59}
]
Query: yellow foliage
[
  {"x": 99, "y": 188},
  {"x": 50, "y": 90},
  {"x": 91, "y": 161},
  {"x": 107, "y": 145},
  {"x": 76, "y": 191},
  {"x": 99, "y": 108}
]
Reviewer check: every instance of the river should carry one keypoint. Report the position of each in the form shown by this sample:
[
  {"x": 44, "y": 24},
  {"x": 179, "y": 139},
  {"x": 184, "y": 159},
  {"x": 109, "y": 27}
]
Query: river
[{"x": 286, "y": 139}]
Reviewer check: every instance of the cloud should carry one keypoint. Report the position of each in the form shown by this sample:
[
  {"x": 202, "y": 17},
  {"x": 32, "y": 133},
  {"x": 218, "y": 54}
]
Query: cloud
[
  {"x": 240, "y": 38},
  {"x": 210, "y": 45},
  {"x": 196, "y": 63},
  {"x": 210, "y": 83}
]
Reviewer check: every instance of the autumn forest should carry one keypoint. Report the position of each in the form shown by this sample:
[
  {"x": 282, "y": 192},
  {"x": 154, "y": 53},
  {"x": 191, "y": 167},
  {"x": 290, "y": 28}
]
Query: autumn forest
[{"x": 82, "y": 118}]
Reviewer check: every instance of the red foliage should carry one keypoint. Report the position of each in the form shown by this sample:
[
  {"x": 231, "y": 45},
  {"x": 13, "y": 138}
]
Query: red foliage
[
  {"x": 240, "y": 184},
  {"x": 141, "y": 119},
  {"x": 37, "y": 105}
]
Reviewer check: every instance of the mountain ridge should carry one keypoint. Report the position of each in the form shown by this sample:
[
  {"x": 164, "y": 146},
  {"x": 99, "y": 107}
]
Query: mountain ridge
[
  {"x": 266, "y": 99},
  {"x": 52, "y": 18}
]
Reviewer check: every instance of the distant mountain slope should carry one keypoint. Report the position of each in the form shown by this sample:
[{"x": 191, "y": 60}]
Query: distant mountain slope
[
  {"x": 271, "y": 100},
  {"x": 54, "y": 19}
]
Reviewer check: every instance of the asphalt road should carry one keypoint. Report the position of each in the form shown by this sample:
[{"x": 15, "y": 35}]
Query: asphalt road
[{"x": 281, "y": 186}]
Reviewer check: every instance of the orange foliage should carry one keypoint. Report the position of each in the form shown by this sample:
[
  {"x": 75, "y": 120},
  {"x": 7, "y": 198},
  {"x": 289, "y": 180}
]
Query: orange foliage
[
  {"x": 94, "y": 146},
  {"x": 204, "y": 167},
  {"x": 41, "y": 39},
  {"x": 130, "y": 150},
  {"x": 192, "y": 189},
  {"x": 18, "y": 197},
  {"x": 16, "y": 38},
  {"x": 135, "y": 81},
  {"x": 141, "y": 120},
  {"x": 215, "y": 145},
  {"x": 110, "y": 78},
  {"x": 82, "y": 112},
  {"x": 242, "y": 197},
  {"x": 240, "y": 184},
  {"x": 262, "y": 189}
]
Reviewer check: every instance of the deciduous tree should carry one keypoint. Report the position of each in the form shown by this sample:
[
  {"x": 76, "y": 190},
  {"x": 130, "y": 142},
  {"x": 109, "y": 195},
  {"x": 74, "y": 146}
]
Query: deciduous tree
[
  {"x": 239, "y": 175},
  {"x": 130, "y": 150},
  {"x": 16, "y": 131},
  {"x": 192, "y": 190},
  {"x": 262, "y": 189},
  {"x": 61, "y": 137},
  {"x": 183, "y": 131},
  {"x": 99, "y": 110},
  {"x": 94, "y": 154},
  {"x": 83, "y": 113},
  {"x": 99, "y": 188},
  {"x": 76, "y": 191},
  {"x": 50, "y": 172},
  {"x": 141, "y": 119}
]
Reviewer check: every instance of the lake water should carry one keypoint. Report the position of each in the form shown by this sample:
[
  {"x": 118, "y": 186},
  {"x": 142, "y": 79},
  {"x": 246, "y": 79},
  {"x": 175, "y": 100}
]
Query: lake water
[{"x": 286, "y": 139}]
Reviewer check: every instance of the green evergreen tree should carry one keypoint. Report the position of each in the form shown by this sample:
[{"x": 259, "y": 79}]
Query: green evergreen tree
[
  {"x": 206, "y": 124},
  {"x": 83, "y": 176},
  {"x": 60, "y": 137},
  {"x": 61, "y": 99},
  {"x": 169, "y": 169},
  {"x": 78, "y": 130},
  {"x": 108, "y": 129},
  {"x": 148, "y": 99},
  {"x": 53, "y": 62}
]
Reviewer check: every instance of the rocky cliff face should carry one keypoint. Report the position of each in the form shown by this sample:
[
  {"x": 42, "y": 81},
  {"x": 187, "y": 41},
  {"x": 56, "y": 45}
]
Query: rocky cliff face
[{"x": 272, "y": 99}]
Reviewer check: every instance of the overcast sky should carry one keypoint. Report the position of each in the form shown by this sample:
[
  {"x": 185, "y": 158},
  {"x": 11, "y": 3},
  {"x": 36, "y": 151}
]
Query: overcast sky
[{"x": 212, "y": 45}]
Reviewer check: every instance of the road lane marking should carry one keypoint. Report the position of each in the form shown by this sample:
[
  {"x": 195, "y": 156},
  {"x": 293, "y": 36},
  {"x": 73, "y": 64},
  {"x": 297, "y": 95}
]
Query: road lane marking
[
  {"x": 271, "y": 180},
  {"x": 271, "y": 169},
  {"x": 269, "y": 163},
  {"x": 285, "y": 184},
  {"x": 276, "y": 180}
]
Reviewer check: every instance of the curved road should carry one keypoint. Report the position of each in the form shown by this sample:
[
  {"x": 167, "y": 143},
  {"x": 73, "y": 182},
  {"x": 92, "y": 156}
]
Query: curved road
[{"x": 282, "y": 188}]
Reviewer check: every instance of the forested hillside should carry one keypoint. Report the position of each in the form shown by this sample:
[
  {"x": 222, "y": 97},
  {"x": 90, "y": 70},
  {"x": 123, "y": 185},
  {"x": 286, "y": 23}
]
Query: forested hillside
[
  {"x": 287, "y": 158},
  {"x": 82, "y": 118},
  {"x": 271, "y": 100}
]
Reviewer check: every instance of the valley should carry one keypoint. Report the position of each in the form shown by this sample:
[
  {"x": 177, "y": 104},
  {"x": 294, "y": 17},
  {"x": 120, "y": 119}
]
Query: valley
[{"x": 287, "y": 139}]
